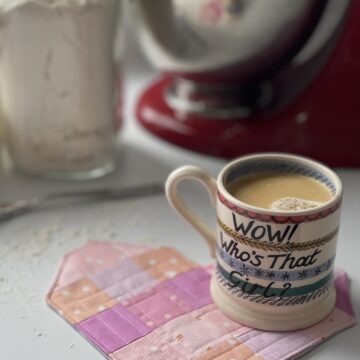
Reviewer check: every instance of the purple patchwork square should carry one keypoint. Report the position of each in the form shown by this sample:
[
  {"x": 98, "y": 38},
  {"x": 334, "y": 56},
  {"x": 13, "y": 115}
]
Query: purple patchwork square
[
  {"x": 194, "y": 286},
  {"x": 124, "y": 270},
  {"x": 124, "y": 280},
  {"x": 112, "y": 329},
  {"x": 131, "y": 286},
  {"x": 189, "y": 290},
  {"x": 172, "y": 298}
]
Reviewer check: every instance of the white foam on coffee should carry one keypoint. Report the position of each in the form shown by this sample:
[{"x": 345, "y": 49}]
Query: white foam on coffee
[{"x": 293, "y": 203}]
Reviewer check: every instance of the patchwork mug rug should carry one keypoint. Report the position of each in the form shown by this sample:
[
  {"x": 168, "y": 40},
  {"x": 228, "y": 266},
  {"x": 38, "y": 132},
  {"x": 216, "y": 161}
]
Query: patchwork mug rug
[{"x": 139, "y": 302}]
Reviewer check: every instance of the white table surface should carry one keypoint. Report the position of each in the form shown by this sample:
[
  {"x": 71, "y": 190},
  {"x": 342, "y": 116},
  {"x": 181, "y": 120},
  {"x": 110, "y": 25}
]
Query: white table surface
[{"x": 32, "y": 246}]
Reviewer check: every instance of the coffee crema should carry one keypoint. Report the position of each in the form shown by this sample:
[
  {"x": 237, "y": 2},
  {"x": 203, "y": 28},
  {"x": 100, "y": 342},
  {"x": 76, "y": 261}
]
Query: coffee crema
[{"x": 280, "y": 191}]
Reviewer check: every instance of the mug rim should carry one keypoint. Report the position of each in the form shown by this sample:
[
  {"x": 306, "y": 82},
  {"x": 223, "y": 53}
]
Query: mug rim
[{"x": 275, "y": 155}]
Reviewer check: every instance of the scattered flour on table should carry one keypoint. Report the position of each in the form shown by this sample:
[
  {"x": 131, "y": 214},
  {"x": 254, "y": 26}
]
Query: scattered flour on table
[
  {"x": 29, "y": 250},
  {"x": 20, "y": 260}
]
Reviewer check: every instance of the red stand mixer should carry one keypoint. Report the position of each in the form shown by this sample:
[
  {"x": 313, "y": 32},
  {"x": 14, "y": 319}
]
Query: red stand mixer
[{"x": 248, "y": 76}]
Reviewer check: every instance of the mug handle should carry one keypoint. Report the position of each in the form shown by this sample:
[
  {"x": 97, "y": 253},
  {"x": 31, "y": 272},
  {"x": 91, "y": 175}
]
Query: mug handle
[{"x": 193, "y": 173}]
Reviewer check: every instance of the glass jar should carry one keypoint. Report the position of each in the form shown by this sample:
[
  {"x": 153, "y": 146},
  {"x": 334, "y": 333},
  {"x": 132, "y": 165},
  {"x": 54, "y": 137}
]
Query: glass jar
[{"x": 58, "y": 84}]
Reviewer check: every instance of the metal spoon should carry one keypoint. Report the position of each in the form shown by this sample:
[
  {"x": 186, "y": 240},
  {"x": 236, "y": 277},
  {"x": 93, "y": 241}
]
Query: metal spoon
[{"x": 18, "y": 207}]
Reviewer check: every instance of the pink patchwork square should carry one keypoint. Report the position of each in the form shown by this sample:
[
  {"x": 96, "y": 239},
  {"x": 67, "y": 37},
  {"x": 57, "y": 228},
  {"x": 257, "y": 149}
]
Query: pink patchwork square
[
  {"x": 193, "y": 333},
  {"x": 149, "y": 347},
  {"x": 273, "y": 345},
  {"x": 156, "y": 310}
]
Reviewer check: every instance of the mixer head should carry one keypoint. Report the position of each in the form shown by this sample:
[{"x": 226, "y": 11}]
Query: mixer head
[{"x": 225, "y": 38}]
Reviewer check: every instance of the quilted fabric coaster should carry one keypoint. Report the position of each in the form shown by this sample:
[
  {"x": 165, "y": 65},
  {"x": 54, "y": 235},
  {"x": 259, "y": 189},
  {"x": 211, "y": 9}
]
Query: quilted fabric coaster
[{"x": 138, "y": 302}]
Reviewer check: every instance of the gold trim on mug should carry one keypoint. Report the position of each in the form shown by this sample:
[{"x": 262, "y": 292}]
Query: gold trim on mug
[{"x": 308, "y": 245}]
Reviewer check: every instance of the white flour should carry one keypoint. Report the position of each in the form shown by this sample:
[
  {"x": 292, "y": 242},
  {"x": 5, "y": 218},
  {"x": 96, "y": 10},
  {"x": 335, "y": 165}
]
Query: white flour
[{"x": 57, "y": 83}]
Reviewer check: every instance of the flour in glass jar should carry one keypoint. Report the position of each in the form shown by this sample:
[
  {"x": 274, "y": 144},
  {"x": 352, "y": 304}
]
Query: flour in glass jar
[{"x": 57, "y": 83}]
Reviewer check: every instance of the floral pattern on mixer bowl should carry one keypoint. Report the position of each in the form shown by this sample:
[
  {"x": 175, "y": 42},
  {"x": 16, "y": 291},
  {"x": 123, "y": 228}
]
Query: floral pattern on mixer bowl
[{"x": 215, "y": 10}]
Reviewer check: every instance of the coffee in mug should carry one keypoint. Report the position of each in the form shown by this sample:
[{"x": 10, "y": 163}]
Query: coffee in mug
[
  {"x": 277, "y": 224},
  {"x": 280, "y": 191}
]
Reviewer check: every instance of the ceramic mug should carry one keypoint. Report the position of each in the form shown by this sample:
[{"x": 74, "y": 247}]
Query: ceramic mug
[{"x": 274, "y": 269}]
